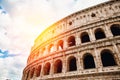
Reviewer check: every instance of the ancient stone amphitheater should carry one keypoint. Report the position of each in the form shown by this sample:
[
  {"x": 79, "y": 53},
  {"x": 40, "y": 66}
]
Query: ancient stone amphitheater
[{"x": 82, "y": 46}]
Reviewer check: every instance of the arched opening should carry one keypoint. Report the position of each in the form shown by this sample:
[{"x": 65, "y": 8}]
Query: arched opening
[
  {"x": 99, "y": 34},
  {"x": 71, "y": 41},
  {"x": 85, "y": 37},
  {"x": 38, "y": 71},
  {"x": 115, "y": 29},
  {"x": 60, "y": 45},
  {"x": 58, "y": 66},
  {"x": 72, "y": 64},
  {"x": 47, "y": 69},
  {"x": 107, "y": 58},
  {"x": 51, "y": 48},
  {"x": 88, "y": 61},
  {"x": 32, "y": 73}
]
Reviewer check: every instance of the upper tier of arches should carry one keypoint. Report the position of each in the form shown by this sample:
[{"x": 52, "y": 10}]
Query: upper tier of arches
[
  {"x": 79, "y": 19},
  {"x": 72, "y": 40}
]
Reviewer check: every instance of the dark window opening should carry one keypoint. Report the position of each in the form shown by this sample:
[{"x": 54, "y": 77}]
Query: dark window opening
[
  {"x": 115, "y": 29},
  {"x": 47, "y": 69},
  {"x": 85, "y": 37},
  {"x": 72, "y": 64},
  {"x": 32, "y": 73},
  {"x": 60, "y": 45},
  {"x": 84, "y": 16},
  {"x": 107, "y": 58},
  {"x": 38, "y": 71},
  {"x": 116, "y": 7},
  {"x": 99, "y": 34},
  {"x": 93, "y": 15},
  {"x": 88, "y": 61},
  {"x": 58, "y": 66},
  {"x": 71, "y": 41},
  {"x": 70, "y": 23},
  {"x": 77, "y": 18}
]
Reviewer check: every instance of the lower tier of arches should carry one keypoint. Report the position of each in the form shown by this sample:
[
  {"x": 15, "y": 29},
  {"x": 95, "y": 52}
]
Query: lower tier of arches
[{"x": 102, "y": 60}]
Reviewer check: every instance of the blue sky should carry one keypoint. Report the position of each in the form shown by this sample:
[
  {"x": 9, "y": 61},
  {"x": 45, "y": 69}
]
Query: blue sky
[{"x": 21, "y": 21}]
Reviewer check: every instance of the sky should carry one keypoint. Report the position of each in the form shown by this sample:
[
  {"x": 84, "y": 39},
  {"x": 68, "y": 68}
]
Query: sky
[{"x": 21, "y": 21}]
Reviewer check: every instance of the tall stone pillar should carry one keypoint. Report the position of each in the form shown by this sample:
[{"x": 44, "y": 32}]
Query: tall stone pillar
[
  {"x": 79, "y": 65},
  {"x": 64, "y": 70},
  {"x": 42, "y": 69},
  {"x": 65, "y": 43},
  {"x": 117, "y": 54},
  {"x": 107, "y": 31},
  {"x": 77, "y": 40},
  {"x": 98, "y": 62},
  {"x": 55, "y": 46},
  {"x": 91, "y": 35},
  {"x": 52, "y": 67}
]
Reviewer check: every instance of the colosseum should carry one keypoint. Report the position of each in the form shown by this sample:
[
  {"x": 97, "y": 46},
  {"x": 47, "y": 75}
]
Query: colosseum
[{"x": 82, "y": 46}]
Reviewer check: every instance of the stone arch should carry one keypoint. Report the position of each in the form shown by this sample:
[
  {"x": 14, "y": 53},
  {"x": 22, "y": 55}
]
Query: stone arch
[
  {"x": 84, "y": 37},
  {"x": 51, "y": 48},
  {"x": 38, "y": 70},
  {"x": 47, "y": 68},
  {"x": 32, "y": 73},
  {"x": 107, "y": 58},
  {"x": 72, "y": 64},
  {"x": 71, "y": 41},
  {"x": 58, "y": 66},
  {"x": 99, "y": 34},
  {"x": 115, "y": 29},
  {"x": 88, "y": 61},
  {"x": 60, "y": 45}
]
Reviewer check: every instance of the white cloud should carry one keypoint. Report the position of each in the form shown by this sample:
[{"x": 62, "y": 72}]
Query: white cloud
[{"x": 11, "y": 67}]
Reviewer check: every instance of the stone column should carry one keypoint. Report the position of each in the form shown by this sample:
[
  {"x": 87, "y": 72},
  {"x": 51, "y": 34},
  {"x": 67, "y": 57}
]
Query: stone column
[
  {"x": 91, "y": 35},
  {"x": 81, "y": 62},
  {"x": 107, "y": 31},
  {"x": 29, "y": 75},
  {"x": 46, "y": 51},
  {"x": 65, "y": 43},
  {"x": 64, "y": 69},
  {"x": 34, "y": 75},
  {"x": 52, "y": 67},
  {"x": 116, "y": 55},
  {"x": 42, "y": 69},
  {"x": 79, "y": 65},
  {"x": 98, "y": 61},
  {"x": 77, "y": 40},
  {"x": 55, "y": 46}
]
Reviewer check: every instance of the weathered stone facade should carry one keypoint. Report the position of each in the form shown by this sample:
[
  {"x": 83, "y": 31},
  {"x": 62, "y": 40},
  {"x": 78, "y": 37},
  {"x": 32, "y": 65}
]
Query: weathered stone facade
[{"x": 83, "y": 46}]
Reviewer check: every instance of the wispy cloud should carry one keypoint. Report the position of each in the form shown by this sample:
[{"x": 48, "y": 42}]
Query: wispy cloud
[{"x": 5, "y": 54}]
